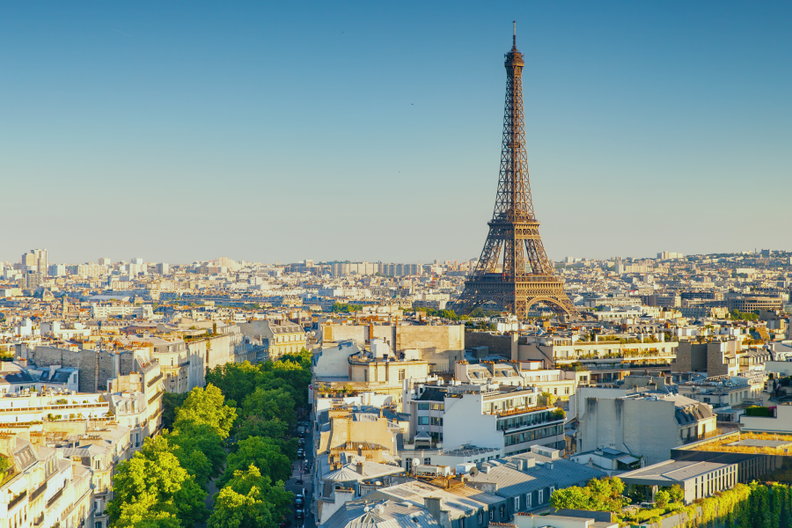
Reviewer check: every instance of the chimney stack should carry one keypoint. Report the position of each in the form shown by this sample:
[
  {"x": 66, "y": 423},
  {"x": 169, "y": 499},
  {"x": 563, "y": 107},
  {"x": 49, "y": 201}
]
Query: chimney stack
[{"x": 359, "y": 467}]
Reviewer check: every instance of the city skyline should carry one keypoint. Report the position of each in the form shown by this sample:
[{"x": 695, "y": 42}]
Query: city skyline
[{"x": 178, "y": 133}]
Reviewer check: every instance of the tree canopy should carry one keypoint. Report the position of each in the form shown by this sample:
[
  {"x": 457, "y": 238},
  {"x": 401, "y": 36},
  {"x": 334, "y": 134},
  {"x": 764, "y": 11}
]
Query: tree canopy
[
  {"x": 153, "y": 489},
  {"x": 207, "y": 406},
  {"x": 605, "y": 494},
  {"x": 249, "y": 500},
  {"x": 264, "y": 453}
]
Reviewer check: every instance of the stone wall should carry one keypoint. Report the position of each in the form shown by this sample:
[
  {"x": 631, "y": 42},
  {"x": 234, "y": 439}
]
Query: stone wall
[
  {"x": 95, "y": 366},
  {"x": 499, "y": 345},
  {"x": 441, "y": 346}
]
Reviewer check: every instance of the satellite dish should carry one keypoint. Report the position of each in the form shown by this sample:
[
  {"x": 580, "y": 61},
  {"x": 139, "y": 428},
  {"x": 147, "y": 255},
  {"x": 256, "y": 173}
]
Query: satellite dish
[
  {"x": 473, "y": 472},
  {"x": 416, "y": 462}
]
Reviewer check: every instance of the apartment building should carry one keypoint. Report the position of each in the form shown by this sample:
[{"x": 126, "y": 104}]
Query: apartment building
[
  {"x": 559, "y": 383},
  {"x": 41, "y": 487},
  {"x": 642, "y": 423},
  {"x": 486, "y": 416},
  {"x": 277, "y": 338}
]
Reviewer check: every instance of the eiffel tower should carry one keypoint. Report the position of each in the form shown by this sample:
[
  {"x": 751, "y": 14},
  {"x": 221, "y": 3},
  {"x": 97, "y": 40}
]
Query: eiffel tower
[{"x": 514, "y": 272}]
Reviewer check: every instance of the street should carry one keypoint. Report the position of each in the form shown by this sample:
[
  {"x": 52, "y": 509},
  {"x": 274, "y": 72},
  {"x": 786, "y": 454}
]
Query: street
[{"x": 307, "y": 484}]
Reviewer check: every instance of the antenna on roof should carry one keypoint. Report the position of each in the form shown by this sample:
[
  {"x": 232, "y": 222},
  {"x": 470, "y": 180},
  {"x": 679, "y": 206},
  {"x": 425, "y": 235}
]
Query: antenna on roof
[{"x": 514, "y": 30}]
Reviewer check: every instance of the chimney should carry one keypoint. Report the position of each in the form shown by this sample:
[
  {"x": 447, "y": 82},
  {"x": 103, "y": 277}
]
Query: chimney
[
  {"x": 360, "y": 450},
  {"x": 514, "y": 338},
  {"x": 359, "y": 467},
  {"x": 435, "y": 506}
]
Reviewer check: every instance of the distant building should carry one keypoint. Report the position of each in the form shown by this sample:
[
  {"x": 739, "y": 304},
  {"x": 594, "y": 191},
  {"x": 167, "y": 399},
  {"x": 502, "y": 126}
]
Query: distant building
[{"x": 277, "y": 338}]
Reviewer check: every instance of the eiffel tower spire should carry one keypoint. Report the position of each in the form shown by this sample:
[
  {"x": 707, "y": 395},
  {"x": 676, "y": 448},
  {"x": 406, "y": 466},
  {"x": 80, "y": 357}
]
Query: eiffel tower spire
[{"x": 514, "y": 272}]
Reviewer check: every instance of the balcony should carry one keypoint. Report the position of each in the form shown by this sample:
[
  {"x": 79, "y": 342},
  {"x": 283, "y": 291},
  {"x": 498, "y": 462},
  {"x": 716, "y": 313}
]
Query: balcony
[
  {"x": 54, "y": 499},
  {"x": 16, "y": 500},
  {"x": 36, "y": 494},
  {"x": 38, "y": 521}
]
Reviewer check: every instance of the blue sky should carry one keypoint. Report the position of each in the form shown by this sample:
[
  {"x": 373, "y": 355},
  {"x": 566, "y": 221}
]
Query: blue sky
[{"x": 177, "y": 131}]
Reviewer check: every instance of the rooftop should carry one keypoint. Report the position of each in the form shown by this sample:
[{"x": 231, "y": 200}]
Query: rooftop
[
  {"x": 670, "y": 472},
  {"x": 757, "y": 443}
]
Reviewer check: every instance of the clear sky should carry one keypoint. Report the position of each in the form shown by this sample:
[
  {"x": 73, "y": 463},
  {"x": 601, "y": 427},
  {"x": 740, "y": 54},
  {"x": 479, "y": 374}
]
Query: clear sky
[{"x": 279, "y": 131}]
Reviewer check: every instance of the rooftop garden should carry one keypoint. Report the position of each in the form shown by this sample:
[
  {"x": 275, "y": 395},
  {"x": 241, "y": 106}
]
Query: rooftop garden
[
  {"x": 722, "y": 444},
  {"x": 741, "y": 506}
]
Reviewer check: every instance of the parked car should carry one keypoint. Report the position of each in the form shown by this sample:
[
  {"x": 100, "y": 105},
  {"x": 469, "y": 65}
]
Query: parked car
[
  {"x": 299, "y": 515},
  {"x": 299, "y": 502},
  {"x": 301, "y": 453}
]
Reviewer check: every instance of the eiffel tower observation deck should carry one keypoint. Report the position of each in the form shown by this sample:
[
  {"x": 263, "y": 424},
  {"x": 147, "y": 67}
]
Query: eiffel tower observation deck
[{"x": 513, "y": 272}]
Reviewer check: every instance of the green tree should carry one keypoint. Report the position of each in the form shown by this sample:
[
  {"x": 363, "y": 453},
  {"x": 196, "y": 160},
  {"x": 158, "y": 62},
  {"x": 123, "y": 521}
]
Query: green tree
[
  {"x": 572, "y": 498},
  {"x": 206, "y": 406},
  {"x": 153, "y": 489},
  {"x": 270, "y": 404},
  {"x": 676, "y": 493},
  {"x": 274, "y": 429},
  {"x": 235, "y": 380},
  {"x": 170, "y": 402},
  {"x": 144, "y": 513},
  {"x": 263, "y": 453},
  {"x": 662, "y": 498},
  {"x": 199, "y": 449},
  {"x": 250, "y": 500}
]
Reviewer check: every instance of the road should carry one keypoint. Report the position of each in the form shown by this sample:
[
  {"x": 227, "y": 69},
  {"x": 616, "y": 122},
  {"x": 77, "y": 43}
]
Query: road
[{"x": 307, "y": 485}]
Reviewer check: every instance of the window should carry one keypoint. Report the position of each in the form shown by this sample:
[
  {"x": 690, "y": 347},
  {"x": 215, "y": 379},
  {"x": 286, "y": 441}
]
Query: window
[
  {"x": 423, "y": 406},
  {"x": 502, "y": 510},
  {"x": 437, "y": 421},
  {"x": 481, "y": 516},
  {"x": 540, "y": 496},
  {"x": 528, "y": 500},
  {"x": 423, "y": 420},
  {"x": 517, "y": 503},
  {"x": 401, "y": 374},
  {"x": 492, "y": 515}
]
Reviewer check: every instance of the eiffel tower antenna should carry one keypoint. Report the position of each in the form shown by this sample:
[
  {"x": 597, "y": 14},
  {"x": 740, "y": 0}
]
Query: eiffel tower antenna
[
  {"x": 513, "y": 272},
  {"x": 514, "y": 37}
]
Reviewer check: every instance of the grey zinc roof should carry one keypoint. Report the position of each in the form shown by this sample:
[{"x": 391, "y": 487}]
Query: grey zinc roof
[
  {"x": 368, "y": 513},
  {"x": 671, "y": 471},
  {"x": 460, "y": 501},
  {"x": 348, "y": 472},
  {"x": 512, "y": 481}
]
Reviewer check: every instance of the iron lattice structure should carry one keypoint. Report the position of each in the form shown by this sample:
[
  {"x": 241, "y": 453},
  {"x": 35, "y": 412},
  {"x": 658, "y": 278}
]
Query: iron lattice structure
[{"x": 514, "y": 272}]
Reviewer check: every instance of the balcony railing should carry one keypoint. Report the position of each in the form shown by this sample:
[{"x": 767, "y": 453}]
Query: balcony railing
[
  {"x": 16, "y": 500},
  {"x": 36, "y": 494},
  {"x": 55, "y": 498}
]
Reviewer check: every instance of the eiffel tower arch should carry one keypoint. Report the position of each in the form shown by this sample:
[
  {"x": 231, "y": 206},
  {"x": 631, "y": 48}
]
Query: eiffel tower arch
[{"x": 513, "y": 272}]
